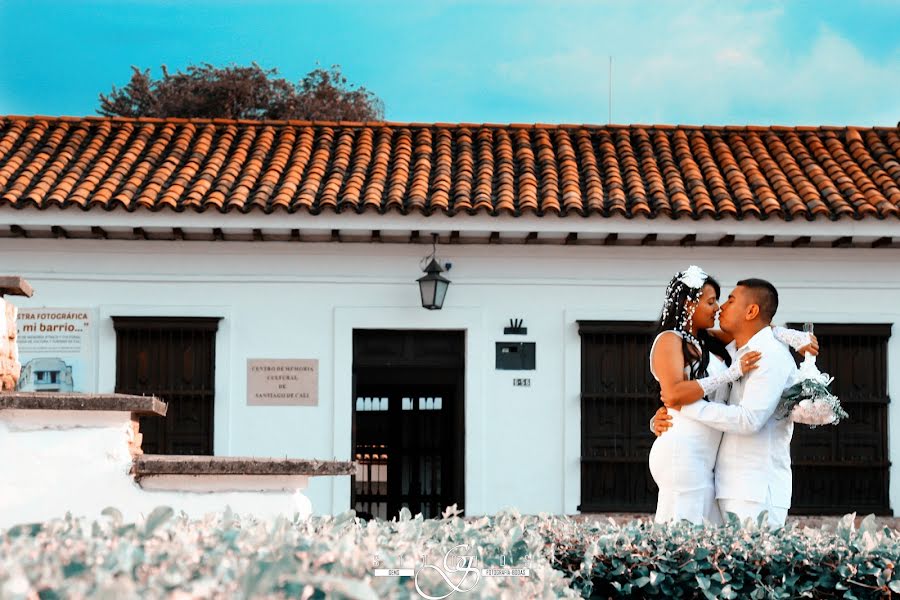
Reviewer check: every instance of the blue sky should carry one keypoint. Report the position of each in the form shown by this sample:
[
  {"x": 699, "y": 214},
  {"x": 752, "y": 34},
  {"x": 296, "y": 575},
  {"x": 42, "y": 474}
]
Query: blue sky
[{"x": 701, "y": 62}]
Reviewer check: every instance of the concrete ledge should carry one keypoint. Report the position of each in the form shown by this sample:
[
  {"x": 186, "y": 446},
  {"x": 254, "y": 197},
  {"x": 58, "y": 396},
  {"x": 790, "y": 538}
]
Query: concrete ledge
[
  {"x": 224, "y": 483},
  {"x": 14, "y": 285},
  {"x": 137, "y": 405},
  {"x": 152, "y": 464}
]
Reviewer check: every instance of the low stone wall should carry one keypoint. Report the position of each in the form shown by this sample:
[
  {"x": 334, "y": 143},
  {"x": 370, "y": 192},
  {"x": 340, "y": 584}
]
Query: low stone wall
[{"x": 81, "y": 454}]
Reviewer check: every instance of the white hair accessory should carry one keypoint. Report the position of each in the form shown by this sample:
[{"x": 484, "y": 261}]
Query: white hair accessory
[
  {"x": 691, "y": 280},
  {"x": 693, "y": 277}
]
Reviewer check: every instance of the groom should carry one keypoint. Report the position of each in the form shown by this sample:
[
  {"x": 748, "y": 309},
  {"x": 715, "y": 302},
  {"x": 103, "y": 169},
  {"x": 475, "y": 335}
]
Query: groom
[{"x": 753, "y": 466}]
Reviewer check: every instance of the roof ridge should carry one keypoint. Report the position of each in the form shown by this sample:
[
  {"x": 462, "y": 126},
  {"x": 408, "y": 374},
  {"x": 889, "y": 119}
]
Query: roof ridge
[{"x": 447, "y": 125}]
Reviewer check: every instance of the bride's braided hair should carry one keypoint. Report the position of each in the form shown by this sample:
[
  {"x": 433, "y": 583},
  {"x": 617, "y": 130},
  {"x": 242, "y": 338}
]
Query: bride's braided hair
[{"x": 682, "y": 296}]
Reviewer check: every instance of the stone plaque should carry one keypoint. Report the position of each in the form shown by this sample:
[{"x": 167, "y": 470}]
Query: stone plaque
[{"x": 282, "y": 382}]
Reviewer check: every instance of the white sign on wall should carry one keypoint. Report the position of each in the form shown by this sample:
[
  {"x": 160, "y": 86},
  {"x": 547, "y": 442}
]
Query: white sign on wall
[
  {"x": 56, "y": 349},
  {"x": 282, "y": 382}
]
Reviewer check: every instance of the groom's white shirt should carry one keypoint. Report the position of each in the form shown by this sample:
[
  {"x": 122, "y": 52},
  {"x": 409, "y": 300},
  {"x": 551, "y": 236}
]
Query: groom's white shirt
[{"x": 754, "y": 460}]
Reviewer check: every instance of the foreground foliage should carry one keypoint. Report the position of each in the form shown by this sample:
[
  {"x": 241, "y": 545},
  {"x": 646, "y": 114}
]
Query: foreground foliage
[
  {"x": 225, "y": 555},
  {"x": 733, "y": 561}
]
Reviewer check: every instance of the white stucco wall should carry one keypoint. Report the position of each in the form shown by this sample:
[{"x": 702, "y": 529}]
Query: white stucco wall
[
  {"x": 302, "y": 300},
  {"x": 56, "y": 462}
]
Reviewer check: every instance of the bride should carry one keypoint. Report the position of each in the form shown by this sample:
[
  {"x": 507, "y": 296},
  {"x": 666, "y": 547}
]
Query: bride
[{"x": 690, "y": 361}]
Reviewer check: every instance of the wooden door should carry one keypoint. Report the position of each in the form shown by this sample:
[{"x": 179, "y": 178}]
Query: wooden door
[
  {"x": 618, "y": 398},
  {"x": 174, "y": 359},
  {"x": 408, "y": 425}
]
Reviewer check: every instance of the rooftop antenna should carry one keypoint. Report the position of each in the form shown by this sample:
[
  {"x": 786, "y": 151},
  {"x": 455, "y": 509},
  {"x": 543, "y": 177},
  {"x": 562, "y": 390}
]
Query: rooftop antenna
[{"x": 609, "y": 115}]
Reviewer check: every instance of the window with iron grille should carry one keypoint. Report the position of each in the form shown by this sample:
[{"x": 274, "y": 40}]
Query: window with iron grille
[
  {"x": 172, "y": 358},
  {"x": 846, "y": 468},
  {"x": 618, "y": 397}
]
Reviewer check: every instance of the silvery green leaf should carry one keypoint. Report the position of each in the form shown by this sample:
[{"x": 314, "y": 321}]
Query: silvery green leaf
[
  {"x": 73, "y": 569},
  {"x": 702, "y": 581},
  {"x": 26, "y": 529},
  {"x": 515, "y": 534},
  {"x": 868, "y": 524},
  {"x": 344, "y": 517},
  {"x": 157, "y": 517},
  {"x": 115, "y": 516},
  {"x": 845, "y": 527}
]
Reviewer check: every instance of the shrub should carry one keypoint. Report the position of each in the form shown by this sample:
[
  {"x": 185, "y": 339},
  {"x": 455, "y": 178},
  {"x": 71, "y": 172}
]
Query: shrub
[
  {"x": 226, "y": 555},
  {"x": 229, "y": 556},
  {"x": 736, "y": 560}
]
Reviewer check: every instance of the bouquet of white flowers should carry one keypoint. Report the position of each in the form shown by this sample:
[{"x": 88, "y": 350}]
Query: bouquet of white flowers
[{"x": 809, "y": 401}]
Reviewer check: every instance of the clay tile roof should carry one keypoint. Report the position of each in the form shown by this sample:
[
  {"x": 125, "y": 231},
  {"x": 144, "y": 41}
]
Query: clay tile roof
[{"x": 707, "y": 172}]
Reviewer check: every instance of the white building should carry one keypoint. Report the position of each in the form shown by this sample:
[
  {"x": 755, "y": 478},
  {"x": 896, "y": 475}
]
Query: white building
[{"x": 200, "y": 246}]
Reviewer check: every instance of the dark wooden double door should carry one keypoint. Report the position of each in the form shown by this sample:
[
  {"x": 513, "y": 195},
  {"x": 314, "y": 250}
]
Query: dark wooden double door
[
  {"x": 408, "y": 422},
  {"x": 836, "y": 469}
]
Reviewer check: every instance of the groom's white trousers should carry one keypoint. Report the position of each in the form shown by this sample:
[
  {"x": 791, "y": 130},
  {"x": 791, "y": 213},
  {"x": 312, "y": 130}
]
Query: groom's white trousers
[{"x": 744, "y": 509}]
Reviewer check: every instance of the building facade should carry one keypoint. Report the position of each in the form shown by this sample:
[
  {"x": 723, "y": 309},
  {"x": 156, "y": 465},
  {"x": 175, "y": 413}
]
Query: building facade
[{"x": 202, "y": 248}]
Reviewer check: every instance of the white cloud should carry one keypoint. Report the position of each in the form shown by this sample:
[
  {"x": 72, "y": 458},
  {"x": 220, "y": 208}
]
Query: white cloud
[{"x": 705, "y": 63}]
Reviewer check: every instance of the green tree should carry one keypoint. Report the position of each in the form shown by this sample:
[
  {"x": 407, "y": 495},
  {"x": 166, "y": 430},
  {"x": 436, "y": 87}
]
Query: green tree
[{"x": 237, "y": 92}]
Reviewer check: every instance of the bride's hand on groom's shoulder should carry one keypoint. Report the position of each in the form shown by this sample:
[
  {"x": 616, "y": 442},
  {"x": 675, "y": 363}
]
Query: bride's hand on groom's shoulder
[
  {"x": 661, "y": 421},
  {"x": 749, "y": 360}
]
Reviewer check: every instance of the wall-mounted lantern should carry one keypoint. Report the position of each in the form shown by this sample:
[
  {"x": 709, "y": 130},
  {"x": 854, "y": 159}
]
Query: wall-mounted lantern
[{"x": 433, "y": 286}]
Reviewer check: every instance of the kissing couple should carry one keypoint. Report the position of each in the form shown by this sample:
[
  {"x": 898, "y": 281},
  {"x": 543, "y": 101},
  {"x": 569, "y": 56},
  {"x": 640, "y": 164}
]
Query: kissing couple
[{"x": 719, "y": 447}]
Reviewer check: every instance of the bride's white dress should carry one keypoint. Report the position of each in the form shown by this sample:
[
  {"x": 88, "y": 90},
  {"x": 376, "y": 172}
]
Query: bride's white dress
[{"x": 683, "y": 458}]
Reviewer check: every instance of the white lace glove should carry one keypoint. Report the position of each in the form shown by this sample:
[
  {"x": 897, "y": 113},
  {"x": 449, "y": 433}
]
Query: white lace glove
[
  {"x": 792, "y": 337},
  {"x": 714, "y": 382}
]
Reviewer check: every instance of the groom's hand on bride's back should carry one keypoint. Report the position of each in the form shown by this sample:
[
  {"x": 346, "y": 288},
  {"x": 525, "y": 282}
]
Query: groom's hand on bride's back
[{"x": 661, "y": 421}]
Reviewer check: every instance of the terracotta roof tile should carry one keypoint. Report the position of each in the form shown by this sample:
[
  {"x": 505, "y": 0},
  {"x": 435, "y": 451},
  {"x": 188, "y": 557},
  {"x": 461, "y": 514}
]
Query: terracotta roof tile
[
  {"x": 634, "y": 184},
  {"x": 570, "y": 184},
  {"x": 715, "y": 182},
  {"x": 506, "y": 172},
  {"x": 464, "y": 173},
  {"x": 417, "y": 197},
  {"x": 650, "y": 170},
  {"x": 590, "y": 173},
  {"x": 527, "y": 188},
  {"x": 351, "y": 196},
  {"x": 483, "y": 190},
  {"x": 616, "y": 201},
  {"x": 549, "y": 186},
  {"x": 658, "y": 201},
  {"x": 675, "y": 188},
  {"x": 442, "y": 179}
]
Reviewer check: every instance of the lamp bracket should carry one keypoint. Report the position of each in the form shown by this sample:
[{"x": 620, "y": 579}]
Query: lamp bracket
[{"x": 515, "y": 328}]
